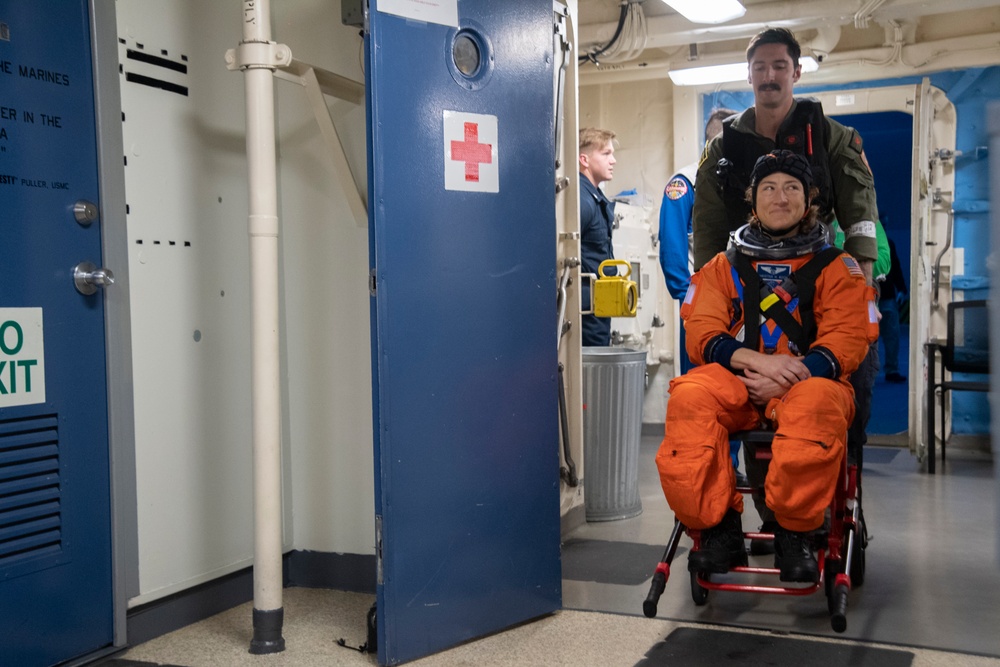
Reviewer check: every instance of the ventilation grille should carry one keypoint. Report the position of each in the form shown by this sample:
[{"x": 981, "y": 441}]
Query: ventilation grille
[{"x": 30, "y": 503}]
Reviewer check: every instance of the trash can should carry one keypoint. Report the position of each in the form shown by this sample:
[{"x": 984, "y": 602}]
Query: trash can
[{"x": 613, "y": 382}]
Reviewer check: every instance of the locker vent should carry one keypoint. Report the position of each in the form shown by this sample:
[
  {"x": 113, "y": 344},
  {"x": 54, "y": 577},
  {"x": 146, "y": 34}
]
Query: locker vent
[{"x": 30, "y": 504}]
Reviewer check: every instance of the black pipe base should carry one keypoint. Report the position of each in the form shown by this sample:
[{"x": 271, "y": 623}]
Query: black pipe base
[{"x": 267, "y": 626}]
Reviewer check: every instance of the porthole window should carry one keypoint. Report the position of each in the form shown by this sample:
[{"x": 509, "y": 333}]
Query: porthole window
[
  {"x": 466, "y": 54},
  {"x": 469, "y": 56}
]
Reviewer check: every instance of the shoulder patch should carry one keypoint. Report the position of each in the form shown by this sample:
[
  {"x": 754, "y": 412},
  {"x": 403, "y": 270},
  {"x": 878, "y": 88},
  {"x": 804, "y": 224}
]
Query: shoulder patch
[
  {"x": 676, "y": 188},
  {"x": 855, "y": 141},
  {"x": 852, "y": 265}
]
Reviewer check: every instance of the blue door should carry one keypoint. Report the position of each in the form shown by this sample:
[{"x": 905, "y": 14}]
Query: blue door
[
  {"x": 55, "y": 519},
  {"x": 462, "y": 234}
]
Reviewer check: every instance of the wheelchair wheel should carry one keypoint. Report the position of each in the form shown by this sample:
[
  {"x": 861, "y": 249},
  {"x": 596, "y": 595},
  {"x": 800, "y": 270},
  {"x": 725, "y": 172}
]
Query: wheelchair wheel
[
  {"x": 698, "y": 593},
  {"x": 858, "y": 560}
]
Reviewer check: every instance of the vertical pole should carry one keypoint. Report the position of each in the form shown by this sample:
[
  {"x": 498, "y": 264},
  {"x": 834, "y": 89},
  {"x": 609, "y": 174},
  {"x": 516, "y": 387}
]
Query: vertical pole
[{"x": 268, "y": 614}]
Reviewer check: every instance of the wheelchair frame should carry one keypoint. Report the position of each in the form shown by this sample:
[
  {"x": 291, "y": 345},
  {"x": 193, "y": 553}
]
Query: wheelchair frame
[{"x": 840, "y": 556}]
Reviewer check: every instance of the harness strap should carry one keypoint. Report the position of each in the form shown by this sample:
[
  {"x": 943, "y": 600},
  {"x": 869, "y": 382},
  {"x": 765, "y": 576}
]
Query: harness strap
[
  {"x": 758, "y": 298},
  {"x": 805, "y": 279}
]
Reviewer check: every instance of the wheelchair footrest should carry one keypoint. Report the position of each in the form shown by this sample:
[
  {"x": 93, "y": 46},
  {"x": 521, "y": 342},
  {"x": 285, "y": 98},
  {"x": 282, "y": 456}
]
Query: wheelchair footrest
[{"x": 808, "y": 589}]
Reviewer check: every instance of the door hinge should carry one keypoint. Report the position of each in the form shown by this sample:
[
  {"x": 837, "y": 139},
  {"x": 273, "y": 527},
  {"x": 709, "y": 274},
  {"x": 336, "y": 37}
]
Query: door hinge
[{"x": 372, "y": 282}]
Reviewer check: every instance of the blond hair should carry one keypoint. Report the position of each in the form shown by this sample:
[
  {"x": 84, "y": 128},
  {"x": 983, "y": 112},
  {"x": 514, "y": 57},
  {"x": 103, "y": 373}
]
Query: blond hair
[{"x": 593, "y": 138}]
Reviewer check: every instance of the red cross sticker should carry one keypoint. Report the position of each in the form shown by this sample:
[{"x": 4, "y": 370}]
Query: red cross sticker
[{"x": 471, "y": 152}]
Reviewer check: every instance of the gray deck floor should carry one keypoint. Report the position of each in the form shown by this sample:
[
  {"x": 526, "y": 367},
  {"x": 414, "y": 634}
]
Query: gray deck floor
[
  {"x": 932, "y": 588},
  {"x": 932, "y": 576}
]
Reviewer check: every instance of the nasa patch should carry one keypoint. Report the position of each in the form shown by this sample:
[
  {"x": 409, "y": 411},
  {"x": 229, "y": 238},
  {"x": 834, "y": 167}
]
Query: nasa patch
[
  {"x": 675, "y": 189},
  {"x": 773, "y": 274}
]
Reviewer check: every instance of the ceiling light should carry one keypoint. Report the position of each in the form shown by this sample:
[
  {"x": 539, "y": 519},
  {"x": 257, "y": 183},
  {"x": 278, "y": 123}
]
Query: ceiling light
[
  {"x": 708, "y": 11},
  {"x": 709, "y": 74}
]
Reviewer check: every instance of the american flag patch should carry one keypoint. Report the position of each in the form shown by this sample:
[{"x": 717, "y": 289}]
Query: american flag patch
[{"x": 852, "y": 265}]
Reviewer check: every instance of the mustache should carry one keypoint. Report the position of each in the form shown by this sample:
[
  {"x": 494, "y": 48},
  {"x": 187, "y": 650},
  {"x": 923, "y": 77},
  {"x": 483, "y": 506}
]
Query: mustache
[{"x": 770, "y": 86}]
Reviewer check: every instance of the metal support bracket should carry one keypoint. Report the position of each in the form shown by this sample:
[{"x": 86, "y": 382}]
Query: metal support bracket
[
  {"x": 317, "y": 83},
  {"x": 329, "y": 83},
  {"x": 258, "y": 55}
]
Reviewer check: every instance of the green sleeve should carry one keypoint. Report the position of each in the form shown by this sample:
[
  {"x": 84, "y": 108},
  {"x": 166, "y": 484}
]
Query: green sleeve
[
  {"x": 838, "y": 234},
  {"x": 854, "y": 192},
  {"x": 709, "y": 222},
  {"x": 882, "y": 265}
]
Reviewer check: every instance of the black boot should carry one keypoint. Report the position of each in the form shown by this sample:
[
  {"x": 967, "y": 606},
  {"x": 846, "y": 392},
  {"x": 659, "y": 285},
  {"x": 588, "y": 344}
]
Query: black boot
[
  {"x": 794, "y": 557},
  {"x": 721, "y": 547}
]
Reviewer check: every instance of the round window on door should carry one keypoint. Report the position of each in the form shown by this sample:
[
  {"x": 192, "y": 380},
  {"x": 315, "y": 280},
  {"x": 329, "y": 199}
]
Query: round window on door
[{"x": 469, "y": 56}]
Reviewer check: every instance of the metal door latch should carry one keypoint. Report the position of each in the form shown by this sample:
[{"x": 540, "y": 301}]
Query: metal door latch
[{"x": 87, "y": 278}]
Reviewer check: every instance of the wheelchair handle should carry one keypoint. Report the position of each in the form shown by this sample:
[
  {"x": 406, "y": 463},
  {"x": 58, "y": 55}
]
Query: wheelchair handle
[
  {"x": 838, "y": 617},
  {"x": 655, "y": 591}
]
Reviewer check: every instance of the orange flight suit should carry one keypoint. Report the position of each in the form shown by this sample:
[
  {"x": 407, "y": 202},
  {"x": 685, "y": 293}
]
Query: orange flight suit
[{"x": 710, "y": 401}]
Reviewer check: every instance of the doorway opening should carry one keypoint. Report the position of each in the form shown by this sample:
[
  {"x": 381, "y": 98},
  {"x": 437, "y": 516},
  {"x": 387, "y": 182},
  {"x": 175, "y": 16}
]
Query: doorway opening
[{"x": 888, "y": 135}]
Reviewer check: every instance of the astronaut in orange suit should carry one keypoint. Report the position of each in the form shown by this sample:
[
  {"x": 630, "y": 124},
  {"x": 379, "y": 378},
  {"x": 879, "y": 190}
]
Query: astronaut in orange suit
[{"x": 817, "y": 318}]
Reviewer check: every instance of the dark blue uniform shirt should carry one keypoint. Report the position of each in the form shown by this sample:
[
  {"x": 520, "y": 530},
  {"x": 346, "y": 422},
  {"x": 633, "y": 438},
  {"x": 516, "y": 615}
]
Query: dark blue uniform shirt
[{"x": 597, "y": 216}]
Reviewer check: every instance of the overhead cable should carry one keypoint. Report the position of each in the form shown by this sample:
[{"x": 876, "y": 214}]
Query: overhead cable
[{"x": 629, "y": 39}]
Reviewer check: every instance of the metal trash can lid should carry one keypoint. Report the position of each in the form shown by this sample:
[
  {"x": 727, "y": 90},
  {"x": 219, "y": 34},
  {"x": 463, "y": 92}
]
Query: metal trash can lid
[{"x": 611, "y": 355}]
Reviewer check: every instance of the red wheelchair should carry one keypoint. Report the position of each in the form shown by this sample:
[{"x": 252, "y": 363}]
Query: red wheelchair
[{"x": 840, "y": 549}]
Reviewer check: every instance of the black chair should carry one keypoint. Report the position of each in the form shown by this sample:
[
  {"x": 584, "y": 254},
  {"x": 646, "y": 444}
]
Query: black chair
[{"x": 965, "y": 351}]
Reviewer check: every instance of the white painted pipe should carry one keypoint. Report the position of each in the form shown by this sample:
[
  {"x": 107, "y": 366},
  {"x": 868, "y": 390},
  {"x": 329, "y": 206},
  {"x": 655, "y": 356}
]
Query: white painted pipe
[
  {"x": 266, "y": 397},
  {"x": 672, "y": 30},
  {"x": 838, "y": 67}
]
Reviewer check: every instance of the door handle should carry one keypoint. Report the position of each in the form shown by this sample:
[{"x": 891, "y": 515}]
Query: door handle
[{"x": 87, "y": 278}]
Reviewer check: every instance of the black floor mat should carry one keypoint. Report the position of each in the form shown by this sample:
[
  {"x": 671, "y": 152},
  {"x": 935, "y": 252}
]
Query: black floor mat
[
  {"x": 881, "y": 454},
  {"x": 623, "y": 563},
  {"x": 122, "y": 662},
  {"x": 697, "y": 647}
]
